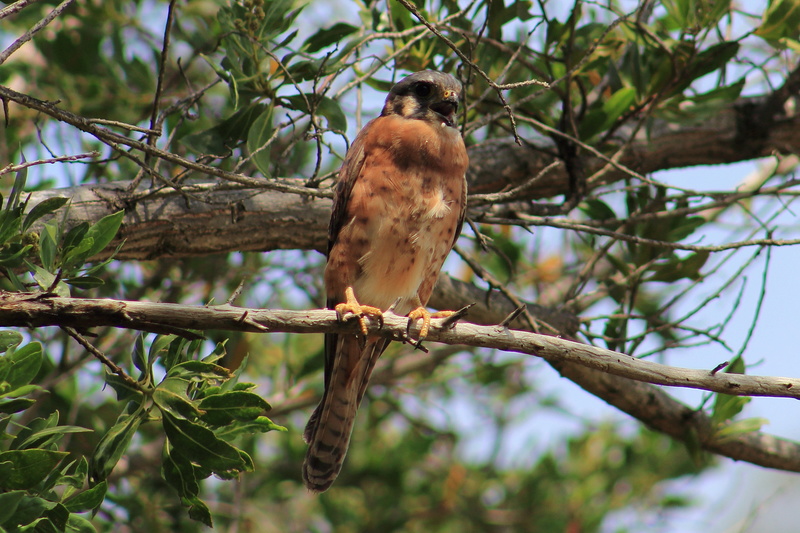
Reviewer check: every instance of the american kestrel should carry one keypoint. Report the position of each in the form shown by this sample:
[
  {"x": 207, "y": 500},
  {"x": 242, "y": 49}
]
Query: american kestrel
[{"x": 397, "y": 212}]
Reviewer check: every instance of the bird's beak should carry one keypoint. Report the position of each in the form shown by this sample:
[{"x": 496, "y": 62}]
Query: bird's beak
[{"x": 447, "y": 107}]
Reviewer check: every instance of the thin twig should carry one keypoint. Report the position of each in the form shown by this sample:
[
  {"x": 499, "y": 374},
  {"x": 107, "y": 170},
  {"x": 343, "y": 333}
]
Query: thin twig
[
  {"x": 13, "y": 168},
  {"x": 14, "y": 8},
  {"x": 28, "y": 35},
  {"x": 527, "y": 220},
  {"x": 100, "y": 356},
  {"x": 115, "y": 141}
]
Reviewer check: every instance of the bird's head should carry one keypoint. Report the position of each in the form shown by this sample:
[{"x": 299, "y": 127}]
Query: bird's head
[{"x": 426, "y": 95}]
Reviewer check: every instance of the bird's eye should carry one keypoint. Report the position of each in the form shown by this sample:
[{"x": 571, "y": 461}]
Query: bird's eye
[{"x": 422, "y": 89}]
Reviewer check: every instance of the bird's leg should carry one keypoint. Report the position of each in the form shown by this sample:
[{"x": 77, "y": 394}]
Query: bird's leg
[
  {"x": 426, "y": 316},
  {"x": 351, "y": 305}
]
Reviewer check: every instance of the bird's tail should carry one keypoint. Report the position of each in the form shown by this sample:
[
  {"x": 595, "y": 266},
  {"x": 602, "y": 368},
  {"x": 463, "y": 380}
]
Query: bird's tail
[{"x": 328, "y": 431}]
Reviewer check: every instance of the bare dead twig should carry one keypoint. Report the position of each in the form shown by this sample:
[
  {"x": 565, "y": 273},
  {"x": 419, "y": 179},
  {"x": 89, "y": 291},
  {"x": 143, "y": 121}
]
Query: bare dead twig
[{"x": 64, "y": 158}]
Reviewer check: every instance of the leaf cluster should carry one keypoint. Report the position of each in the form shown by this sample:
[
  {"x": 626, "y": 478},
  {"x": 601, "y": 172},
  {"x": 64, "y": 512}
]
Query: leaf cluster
[
  {"x": 41, "y": 487},
  {"x": 202, "y": 410}
]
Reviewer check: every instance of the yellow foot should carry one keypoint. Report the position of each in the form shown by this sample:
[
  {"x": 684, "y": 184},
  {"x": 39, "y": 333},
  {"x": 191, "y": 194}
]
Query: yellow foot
[
  {"x": 352, "y": 306},
  {"x": 426, "y": 316}
]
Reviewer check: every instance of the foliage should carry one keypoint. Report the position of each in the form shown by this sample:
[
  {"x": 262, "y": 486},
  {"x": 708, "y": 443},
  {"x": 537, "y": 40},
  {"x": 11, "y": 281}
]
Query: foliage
[
  {"x": 269, "y": 89},
  {"x": 200, "y": 405}
]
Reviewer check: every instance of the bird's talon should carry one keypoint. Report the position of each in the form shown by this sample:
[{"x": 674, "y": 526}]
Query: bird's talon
[
  {"x": 426, "y": 316},
  {"x": 359, "y": 311}
]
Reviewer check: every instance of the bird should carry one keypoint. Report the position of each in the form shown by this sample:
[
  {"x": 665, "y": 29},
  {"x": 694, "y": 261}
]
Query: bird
[{"x": 399, "y": 206}]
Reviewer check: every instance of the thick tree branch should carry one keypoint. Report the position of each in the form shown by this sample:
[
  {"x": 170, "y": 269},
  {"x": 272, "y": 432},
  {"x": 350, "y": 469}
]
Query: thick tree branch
[
  {"x": 608, "y": 374},
  {"x": 658, "y": 410},
  {"x": 38, "y": 310},
  {"x": 201, "y": 219},
  {"x": 729, "y": 137}
]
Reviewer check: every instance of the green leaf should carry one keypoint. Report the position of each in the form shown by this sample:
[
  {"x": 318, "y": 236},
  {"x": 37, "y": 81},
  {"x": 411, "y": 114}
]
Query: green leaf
[
  {"x": 13, "y": 255},
  {"x": 201, "y": 446},
  {"x": 401, "y": 17},
  {"x": 43, "y": 208},
  {"x": 680, "y": 11},
  {"x": 58, "y": 515},
  {"x": 84, "y": 282},
  {"x": 199, "y": 371},
  {"x": 48, "y": 436},
  {"x": 79, "y": 524},
  {"x": 16, "y": 405},
  {"x": 112, "y": 446},
  {"x": 262, "y": 424},
  {"x": 781, "y": 19},
  {"x": 24, "y": 469},
  {"x": 179, "y": 351},
  {"x": 74, "y": 236},
  {"x": 171, "y": 396},
  {"x": 328, "y": 36},
  {"x": 19, "y": 366},
  {"x": 225, "y": 136},
  {"x": 199, "y": 511},
  {"x": 34, "y": 426},
  {"x": 73, "y": 477},
  {"x": 15, "y": 281},
  {"x": 727, "y": 406},
  {"x": 8, "y": 504},
  {"x": 305, "y": 70},
  {"x": 10, "y": 222},
  {"x": 683, "y": 228},
  {"x": 597, "y": 209},
  {"x": 740, "y": 427},
  {"x": 9, "y": 339},
  {"x": 160, "y": 347},
  {"x": 676, "y": 269},
  {"x": 88, "y": 500},
  {"x": 103, "y": 232},
  {"x": 259, "y": 134},
  {"x": 125, "y": 390},
  {"x": 600, "y": 119},
  {"x": 709, "y": 60},
  {"x": 47, "y": 246},
  {"x": 24, "y": 390},
  {"x": 791, "y": 44},
  {"x": 76, "y": 255},
  {"x": 223, "y": 409},
  {"x": 724, "y": 95},
  {"x": 323, "y": 106},
  {"x": 29, "y": 510},
  {"x": 16, "y": 189},
  {"x": 180, "y": 474},
  {"x": 44, "y": 278},
  {"x": 138, "y": 356}
]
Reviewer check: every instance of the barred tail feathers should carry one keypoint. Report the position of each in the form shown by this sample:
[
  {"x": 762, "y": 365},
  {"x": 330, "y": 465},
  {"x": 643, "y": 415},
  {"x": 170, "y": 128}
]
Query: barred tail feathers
[{"x": 330, "y": 426}]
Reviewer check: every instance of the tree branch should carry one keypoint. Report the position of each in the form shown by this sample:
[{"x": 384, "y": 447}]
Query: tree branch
[
  {"x": 499, "y": 164},
  {"x": 38, "y": 310},
  {"x": 610, "y": 374}
]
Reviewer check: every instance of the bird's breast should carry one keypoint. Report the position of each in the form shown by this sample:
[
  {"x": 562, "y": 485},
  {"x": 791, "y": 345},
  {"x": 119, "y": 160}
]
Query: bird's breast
[{"x": 403, "y": 210}]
